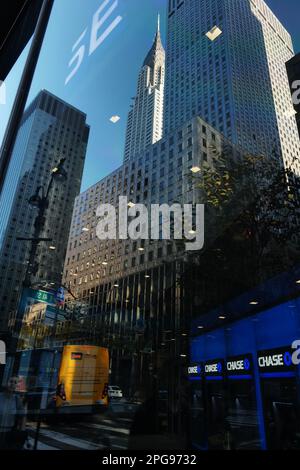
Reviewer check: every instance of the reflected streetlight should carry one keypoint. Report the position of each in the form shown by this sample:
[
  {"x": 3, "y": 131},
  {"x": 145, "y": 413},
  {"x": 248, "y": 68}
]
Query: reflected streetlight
[
  {"x": 195, "y": 169},
  {"x": 40, "y": 200}
]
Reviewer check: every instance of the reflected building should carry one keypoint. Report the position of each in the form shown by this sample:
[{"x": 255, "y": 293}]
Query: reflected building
[
  {"x": 145, "y": 118},
  {"x": 142, "y": 295},
  {"x": 50, "y": 130},
  {"x": 225, "y": 61},
  {"x": 138, "y": 303}
]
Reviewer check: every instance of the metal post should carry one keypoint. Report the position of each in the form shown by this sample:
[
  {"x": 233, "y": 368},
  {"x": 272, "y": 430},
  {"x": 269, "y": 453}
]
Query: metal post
[
  {"x": 23, "y": 90},
  {"x": 39, "y": 419},
  {"x": 38, "y": 228}
]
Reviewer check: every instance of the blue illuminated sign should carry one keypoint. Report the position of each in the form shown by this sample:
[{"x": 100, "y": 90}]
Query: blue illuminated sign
[
  {"x": 194, "y": 370},
  {"x": 214, "y": 368},
  {"x": 239, "y": 365},
  {"x": 287, "y": 358},
  {"x": 275, "y": 360}
]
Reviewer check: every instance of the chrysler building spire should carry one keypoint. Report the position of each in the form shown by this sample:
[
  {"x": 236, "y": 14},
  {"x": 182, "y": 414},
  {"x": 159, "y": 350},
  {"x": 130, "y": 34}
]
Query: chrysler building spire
[
  {"x": 157, "y": 52},
  {"x": 145, "y": 119}
]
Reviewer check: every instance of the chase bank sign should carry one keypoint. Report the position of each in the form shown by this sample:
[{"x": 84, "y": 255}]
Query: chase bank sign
[
  {"x": 195, "y": 370},
  {"x": 279, "y": 359},
  {"x": 214, "y": 367},
  {"x": 239, "y": 365}
]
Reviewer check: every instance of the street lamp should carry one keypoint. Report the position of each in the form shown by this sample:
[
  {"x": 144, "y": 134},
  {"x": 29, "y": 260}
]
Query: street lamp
[
  {"x": 35, "y": 200},
  {"x": 40, "y": 200},
  {"x": 195, "y": 169},
  {"x": 59, "y": 172}
]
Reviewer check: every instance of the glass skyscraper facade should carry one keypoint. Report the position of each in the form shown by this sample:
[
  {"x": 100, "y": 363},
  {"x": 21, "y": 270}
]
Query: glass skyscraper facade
[
  {"x": 50, "y": 130},
  {"x": 164, "y": 330},
  {"x": 237, "y": 80}
]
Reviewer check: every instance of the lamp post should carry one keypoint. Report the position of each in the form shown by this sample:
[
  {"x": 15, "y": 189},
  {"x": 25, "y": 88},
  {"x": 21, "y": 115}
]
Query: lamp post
[{"x": 40, "y": 200}]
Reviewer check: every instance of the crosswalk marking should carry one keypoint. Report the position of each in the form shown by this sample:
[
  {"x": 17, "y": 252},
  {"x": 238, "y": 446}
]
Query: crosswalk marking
[
  {"x": 41, "y": 445},
  {"x": 93, "y": 436},
  {"x": 80, "y": 443},
  {"x": 107, "y": 428},
  {"x": 52, "y": 439}
]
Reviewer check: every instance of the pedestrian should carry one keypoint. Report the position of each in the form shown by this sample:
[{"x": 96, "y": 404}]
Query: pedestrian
[{"x": 12, "y": 417}]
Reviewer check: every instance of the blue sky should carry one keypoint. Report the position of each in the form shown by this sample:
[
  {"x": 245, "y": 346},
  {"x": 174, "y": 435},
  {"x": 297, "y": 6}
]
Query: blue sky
[
  {"x": 288, "y": 12},
  {"x": 106, "y": 81}
]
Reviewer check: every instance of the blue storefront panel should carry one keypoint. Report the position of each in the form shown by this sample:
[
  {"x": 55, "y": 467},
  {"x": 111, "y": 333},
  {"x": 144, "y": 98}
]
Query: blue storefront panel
[{"x": 260, "y": 403}]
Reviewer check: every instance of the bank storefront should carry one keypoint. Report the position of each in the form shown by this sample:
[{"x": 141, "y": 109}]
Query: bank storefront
[{"x": 245, "y": 382}]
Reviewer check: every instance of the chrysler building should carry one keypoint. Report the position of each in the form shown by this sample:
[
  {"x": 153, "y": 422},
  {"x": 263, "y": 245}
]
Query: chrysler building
[{"x": 145, "y": 119}]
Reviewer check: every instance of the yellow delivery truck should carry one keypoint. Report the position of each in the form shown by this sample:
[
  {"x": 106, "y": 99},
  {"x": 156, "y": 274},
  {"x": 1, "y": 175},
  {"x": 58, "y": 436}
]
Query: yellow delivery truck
[{"x": 82, "y": 384}]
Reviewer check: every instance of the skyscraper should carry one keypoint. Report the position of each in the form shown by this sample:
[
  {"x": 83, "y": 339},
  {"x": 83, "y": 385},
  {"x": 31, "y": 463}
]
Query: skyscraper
[
  {"x": 226, "y": 63},
  {"x": 50, "y": 130},
  {"x": 125, "y": 282},
  {"x": 145, "y": 119}
]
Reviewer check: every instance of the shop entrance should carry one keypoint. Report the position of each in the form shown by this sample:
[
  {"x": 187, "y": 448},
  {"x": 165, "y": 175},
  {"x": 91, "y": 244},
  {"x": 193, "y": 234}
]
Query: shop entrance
[
  {"x": 281, "y": 412},
  {"x": 215, "y": 414},
  {"x": 242, "y": 414},
  {"x": 197, "y": 420}
]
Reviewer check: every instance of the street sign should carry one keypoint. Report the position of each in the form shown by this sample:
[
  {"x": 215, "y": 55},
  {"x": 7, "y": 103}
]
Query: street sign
[{"x": 41, "y": 296}]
